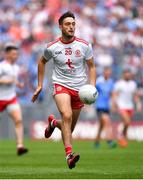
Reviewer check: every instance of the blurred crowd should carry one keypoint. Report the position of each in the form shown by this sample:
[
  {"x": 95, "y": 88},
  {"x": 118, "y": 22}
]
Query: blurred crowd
[{"x": 114, "y": 27}]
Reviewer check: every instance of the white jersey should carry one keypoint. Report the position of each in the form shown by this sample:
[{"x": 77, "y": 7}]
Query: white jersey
[
  {"x": 69, "y": 62},
  {"x": 126, "y": 91},
  {"x": 8, "y": 71}
]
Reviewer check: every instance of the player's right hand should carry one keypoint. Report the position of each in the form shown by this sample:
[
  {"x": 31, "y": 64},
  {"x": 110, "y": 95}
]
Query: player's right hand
[{"x": 36, "y": 93}]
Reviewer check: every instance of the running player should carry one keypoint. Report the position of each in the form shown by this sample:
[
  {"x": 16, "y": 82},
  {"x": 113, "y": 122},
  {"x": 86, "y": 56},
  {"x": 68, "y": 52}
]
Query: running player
[
  {"x": 70, "y": 56},
  {"x": 104, "y": 85},
  {"x": 124, "y": 96},
  {"x": 8, "y": 101}
]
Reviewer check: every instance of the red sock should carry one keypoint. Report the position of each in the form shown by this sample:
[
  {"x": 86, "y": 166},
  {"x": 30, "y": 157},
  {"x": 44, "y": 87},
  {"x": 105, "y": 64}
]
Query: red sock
[{"x": 68, "y": 150}]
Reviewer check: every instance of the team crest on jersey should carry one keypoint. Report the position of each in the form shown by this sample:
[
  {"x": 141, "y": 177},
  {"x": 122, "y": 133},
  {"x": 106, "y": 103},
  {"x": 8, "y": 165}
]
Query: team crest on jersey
[{"x": 77, "y": 53}]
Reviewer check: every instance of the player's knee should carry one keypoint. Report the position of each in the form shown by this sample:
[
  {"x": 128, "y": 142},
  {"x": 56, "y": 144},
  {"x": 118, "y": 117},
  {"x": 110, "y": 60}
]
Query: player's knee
[
  {"x": 107, "y": 123},
  {"x": 18, "y": 122},
  {"x": 127, "y": 123},
  {"x": 67, "y": 116}
]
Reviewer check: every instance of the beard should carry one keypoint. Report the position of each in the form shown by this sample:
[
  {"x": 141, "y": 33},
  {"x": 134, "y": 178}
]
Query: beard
[
  {"x": 127, "y": 78},
  {"x": 67, "y": 36}
]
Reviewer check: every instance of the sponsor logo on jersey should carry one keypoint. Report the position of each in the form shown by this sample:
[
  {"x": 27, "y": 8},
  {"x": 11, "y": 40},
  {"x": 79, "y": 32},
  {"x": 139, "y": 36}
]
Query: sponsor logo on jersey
[
  {"x": 77, "y": 53},
  {"x": 58, "y": 52}
]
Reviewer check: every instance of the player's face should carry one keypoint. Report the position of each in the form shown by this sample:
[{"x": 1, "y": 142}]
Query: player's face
[
  {"x": 13, "y": 55},
  {"x": 68, "y": 27},
  {"x": 127, "y": 75},
  {"x": 107, "y": 73}
]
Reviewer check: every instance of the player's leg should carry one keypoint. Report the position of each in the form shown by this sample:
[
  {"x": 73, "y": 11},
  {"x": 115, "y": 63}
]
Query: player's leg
[
  {"x": 75, "y": 116},
  {"x": 108, "y": 130},
  {"x": 76, "y": 105},
  {"x": 16, "y": 117},
  {"x": 126, "y": 118},
  {"x": 15, "y": 113},
  {"x": 105, "y": 123},
  {"x": 53, "y": 122},
  {"x": 107, "y": 126},
  {"x": 63, "y": 102},
  {"x": 101, "y": 125}
]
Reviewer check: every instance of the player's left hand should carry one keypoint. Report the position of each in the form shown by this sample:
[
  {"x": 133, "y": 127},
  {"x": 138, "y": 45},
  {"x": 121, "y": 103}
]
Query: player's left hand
[{"x": 36, "y": 93}]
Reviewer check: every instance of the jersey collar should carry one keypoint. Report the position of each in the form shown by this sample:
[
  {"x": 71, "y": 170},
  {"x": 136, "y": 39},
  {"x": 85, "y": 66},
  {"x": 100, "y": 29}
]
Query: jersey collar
[{"x": 68, "y": 41}]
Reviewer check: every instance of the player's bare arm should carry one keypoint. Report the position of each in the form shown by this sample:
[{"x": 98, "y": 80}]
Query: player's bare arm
[
  {"x": 41, "y": 72},
  {"x": 138, "y": 102},
  {"x": 114, "y": 106},
  {"x": 92, "y": 71},
  {"x": 11, "y": 81},
  {"x": 7, "y": 81}
]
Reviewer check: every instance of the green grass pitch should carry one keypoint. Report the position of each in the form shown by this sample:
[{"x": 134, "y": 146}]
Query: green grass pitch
[{"x": 46, "y": 160}]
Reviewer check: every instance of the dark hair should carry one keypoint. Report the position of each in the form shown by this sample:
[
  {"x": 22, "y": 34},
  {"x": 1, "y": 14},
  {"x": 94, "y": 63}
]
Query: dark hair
[
  {"x": 65, "y": 15},
  {"x": 10, "y": 47}
]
